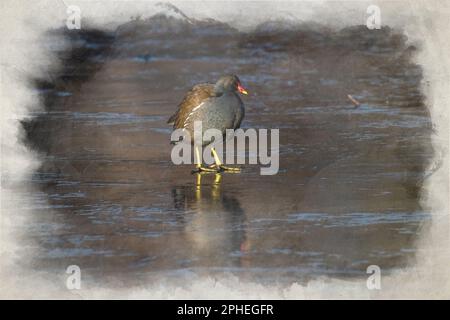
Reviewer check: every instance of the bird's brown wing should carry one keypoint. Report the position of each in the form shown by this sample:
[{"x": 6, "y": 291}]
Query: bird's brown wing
[{"x": 193, "y": 98}]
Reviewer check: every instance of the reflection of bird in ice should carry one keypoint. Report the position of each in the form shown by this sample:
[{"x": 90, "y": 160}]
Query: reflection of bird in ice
[
  {"x": 215, "y": 227},
  {"x": 217, "y": 106}
]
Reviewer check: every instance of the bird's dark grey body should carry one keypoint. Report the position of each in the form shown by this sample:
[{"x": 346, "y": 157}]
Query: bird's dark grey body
[
  {"x": 221, "y": 113},
  {"x": 216, "y": 106}
]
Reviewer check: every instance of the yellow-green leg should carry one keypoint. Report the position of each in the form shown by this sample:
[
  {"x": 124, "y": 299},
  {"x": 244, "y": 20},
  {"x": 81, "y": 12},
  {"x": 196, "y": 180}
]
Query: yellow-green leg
[
  {"x": 219, "y": 166},
  {"x": 199, "y": 168}
]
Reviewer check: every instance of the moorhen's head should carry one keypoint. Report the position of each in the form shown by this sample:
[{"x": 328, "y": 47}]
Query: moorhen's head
[{"x": 229, "y": 83}]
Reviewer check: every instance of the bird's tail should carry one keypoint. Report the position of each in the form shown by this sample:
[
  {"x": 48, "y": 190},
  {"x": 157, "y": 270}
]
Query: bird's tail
[{"x": 172, "y": 118}]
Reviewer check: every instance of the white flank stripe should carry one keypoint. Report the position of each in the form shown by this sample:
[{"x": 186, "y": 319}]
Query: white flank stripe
[{"x": 190, "y": 114}]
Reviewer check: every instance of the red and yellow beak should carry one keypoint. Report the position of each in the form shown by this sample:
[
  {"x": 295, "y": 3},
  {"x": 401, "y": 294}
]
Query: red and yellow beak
[{"x": 241, "y": 89}]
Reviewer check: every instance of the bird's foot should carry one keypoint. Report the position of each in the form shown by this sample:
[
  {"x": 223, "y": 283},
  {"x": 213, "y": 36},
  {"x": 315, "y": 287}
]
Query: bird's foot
[
  {"x": 230, "y": 169},
  {"x": 222, "y": 168},
  {"x": 201, "y": 169}
]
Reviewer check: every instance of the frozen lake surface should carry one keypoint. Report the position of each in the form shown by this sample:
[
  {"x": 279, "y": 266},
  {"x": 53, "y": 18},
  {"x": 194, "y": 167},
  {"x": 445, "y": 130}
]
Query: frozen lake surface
[{"x": 108, "y": 198}]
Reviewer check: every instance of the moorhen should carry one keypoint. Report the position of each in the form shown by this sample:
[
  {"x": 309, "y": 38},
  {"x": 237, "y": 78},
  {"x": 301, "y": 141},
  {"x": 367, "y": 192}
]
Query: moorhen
[{"x": 217, "y": 106}]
